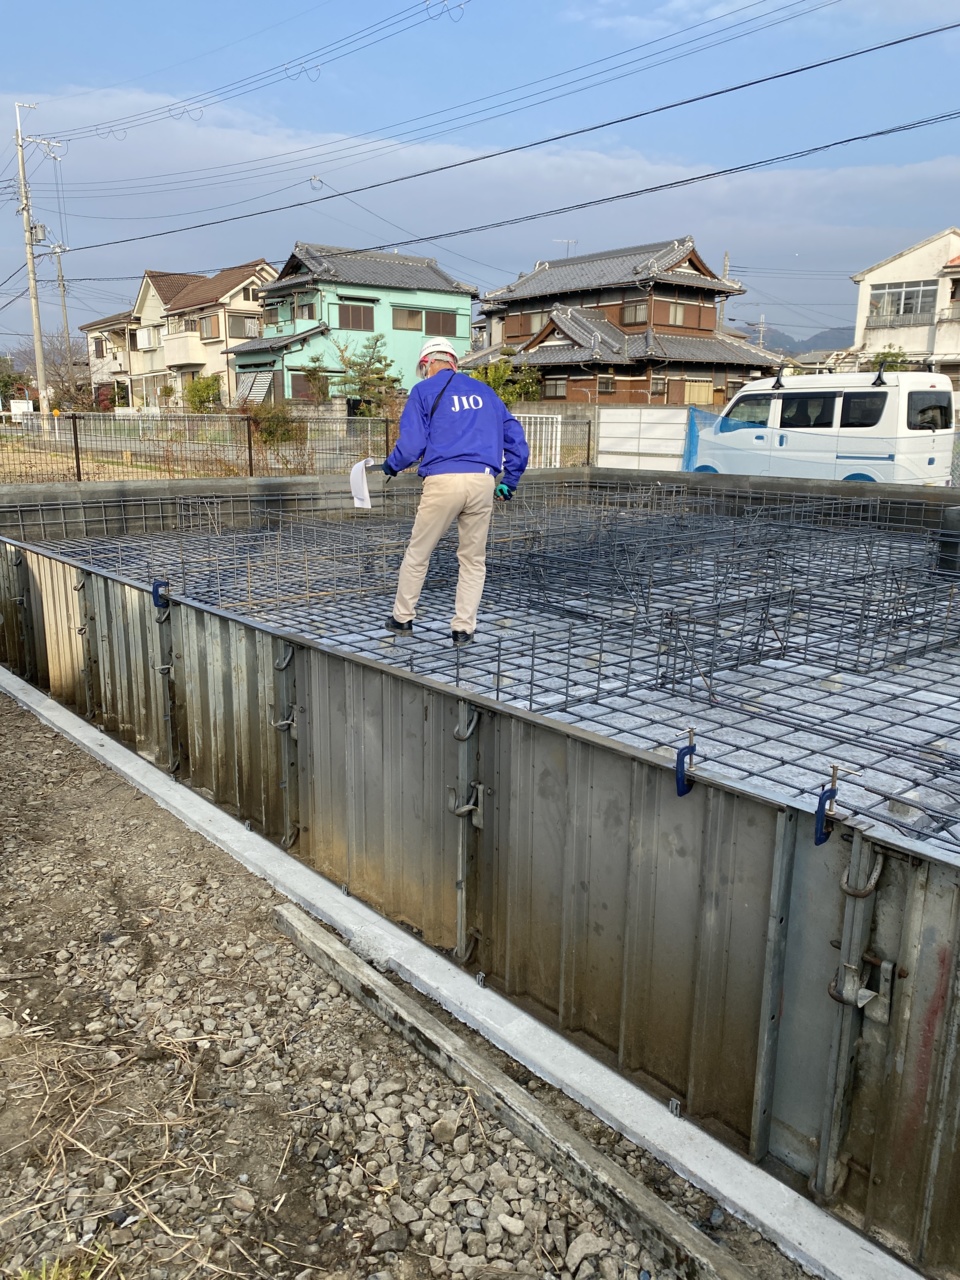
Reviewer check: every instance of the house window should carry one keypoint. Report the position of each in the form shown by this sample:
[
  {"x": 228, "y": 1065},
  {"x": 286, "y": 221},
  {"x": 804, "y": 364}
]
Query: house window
[
  {"x": 908, "y": 298},
  {"x": 698, "y": 391},
  {"x": 633, "y": 313},
  {"x": 606, "y": 385},
  {"x": 440, "y": 324},
  {"x": 300, "y": 388},
  {"x": 306, "y": 311},
  {"x": 98, "y": 348},
  {"x": 404, "y": 318},
  {"x": 658, "y": 386},
  {"x": 676, "y": 313},
  {"x": 271, "y": 315},
  {"x": 242, "y": 327},
  {"x": 209, "y": 327},
  {"x": 554, "y": 388},
  {"x": 249, "y": 294},
  {"x": 354, "y": 316},
  {"x": 132, "y": 339}
]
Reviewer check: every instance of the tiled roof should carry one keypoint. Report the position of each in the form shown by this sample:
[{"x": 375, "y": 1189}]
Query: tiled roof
[
  {"x": 613, "y": 267},
  {"x": 594, "y": 340},
  {"x": 169, "y": 283},
  {"x": 277, "y": 342},
  {"x": 108, "y": 322},
  {"x": 334, "y": 266},
  {"x": 204, "y": 290}
]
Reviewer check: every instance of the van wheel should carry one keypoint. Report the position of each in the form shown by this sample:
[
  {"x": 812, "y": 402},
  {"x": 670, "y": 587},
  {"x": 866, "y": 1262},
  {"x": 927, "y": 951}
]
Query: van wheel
[
  {"x": 858, "y": 475},
  {"x": 709, "y": 470}
]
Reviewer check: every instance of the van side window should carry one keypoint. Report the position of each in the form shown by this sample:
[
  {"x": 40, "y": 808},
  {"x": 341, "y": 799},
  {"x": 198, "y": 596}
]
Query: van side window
[
  {"x": 753, "y": 409},
  {"x": 862, "y": 408},
  {"x": 928, "y": 411},
  {"x": 807, "y": 409}
]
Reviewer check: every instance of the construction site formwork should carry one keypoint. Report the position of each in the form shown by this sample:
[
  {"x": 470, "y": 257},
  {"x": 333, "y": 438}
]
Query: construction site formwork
[{"x": 716, "y": 921}]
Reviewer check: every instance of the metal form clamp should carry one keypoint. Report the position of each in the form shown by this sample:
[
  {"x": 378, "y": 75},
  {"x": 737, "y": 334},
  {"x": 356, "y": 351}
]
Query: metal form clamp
[
  {"x": 685, "y": 784},
  {"x": 823, "y": 828},
  {"x": 160, "y": 585}
]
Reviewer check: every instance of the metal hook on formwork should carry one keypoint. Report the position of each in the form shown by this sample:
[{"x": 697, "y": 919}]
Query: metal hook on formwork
[
  {"x": 469, "y": 731},
  {"x": 685, "y": 784},
  {"x": 871, "y": 884},
  {"x": 282, "y": 663}
]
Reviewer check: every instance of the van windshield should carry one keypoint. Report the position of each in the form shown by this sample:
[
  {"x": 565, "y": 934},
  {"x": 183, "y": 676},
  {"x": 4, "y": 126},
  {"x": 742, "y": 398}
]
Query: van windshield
[{"x": 929, "y": 411}]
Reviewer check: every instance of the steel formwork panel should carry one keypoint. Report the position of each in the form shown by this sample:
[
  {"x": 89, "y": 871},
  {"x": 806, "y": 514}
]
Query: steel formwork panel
[{"x": 693, "y": 938}]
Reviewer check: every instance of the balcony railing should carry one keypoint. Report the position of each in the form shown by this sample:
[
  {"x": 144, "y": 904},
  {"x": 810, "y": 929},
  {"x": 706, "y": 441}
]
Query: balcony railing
[
  {"x": 901, "y": 322},
  {"x": 950, "y": 313}
]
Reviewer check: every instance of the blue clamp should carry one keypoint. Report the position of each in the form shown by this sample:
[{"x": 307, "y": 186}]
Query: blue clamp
[
  {"x": 683, "y": 755},
  {"x": 160, "y": 601},
  {"x": 821, "y": 832}
]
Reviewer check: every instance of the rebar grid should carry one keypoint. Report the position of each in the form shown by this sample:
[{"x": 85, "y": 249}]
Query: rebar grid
[{"x": 635, "y": 610}]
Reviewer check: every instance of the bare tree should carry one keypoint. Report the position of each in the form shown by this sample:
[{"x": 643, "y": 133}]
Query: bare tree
[{"x": 61, "y": 359}]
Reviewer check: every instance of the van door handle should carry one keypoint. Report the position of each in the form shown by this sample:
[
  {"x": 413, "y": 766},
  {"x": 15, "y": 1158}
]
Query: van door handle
[
  {"x": 759, "y": 437},
  {"x": 783, "y": 441}
]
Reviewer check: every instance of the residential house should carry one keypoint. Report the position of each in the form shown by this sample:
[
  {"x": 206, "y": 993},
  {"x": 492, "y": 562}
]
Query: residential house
[
  {"x": 177, "y": 330},
  {"x": 108, "y": 351},
  {"x": 326, "y": 298},
  {"x": 625, "y": 326},
  {"x": 208, "y": 314},
  {"x": 911, "y": 302}
]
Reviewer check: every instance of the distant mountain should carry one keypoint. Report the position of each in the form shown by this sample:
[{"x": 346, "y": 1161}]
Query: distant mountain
[{"x": 827, "y": 340}]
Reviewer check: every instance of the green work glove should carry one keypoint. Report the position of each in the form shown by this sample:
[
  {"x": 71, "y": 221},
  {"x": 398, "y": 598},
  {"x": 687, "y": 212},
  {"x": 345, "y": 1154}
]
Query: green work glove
[{"x": 503, "y": 492}]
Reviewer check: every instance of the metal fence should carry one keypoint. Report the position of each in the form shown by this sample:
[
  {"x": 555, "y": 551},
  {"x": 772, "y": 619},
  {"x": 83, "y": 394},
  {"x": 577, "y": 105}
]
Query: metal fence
[
  {"x": 104, "y": 446},
  {"x": 46, "y": 448}
]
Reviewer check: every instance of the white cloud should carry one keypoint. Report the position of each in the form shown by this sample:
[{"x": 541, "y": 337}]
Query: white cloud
[{"x": 808, "y": 218}]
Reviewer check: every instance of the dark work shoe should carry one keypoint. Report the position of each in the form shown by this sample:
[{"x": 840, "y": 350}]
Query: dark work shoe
[
  {"x": 462, "y": 637},
  {"x": 401, "y": 628}
]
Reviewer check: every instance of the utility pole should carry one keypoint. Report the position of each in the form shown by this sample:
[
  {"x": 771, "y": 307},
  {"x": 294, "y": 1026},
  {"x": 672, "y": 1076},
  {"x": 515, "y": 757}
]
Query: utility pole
[
  {"x": 28, "y": 233},
  {"x": 58, "y": 251},
  {"x": 722, "y": 309},
  {"x": 761, "y": 330}
]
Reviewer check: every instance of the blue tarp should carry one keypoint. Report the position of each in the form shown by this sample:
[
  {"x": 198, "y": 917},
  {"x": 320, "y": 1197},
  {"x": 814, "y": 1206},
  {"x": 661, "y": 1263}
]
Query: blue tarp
[{"x": 697, "y": 420}]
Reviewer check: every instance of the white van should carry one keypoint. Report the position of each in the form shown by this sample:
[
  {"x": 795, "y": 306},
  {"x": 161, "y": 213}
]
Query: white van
[{"x": 894, "y": 427}]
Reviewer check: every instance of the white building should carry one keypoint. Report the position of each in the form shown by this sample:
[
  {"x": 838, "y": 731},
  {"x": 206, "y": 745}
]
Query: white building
[
  {"x": 178, "y": 330},
  {"x": 911, "y": 302}
]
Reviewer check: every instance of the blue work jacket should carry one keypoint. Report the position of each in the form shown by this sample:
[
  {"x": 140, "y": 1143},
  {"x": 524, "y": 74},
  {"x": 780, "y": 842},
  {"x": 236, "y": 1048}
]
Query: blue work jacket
[{"x": 471, "y": 429}]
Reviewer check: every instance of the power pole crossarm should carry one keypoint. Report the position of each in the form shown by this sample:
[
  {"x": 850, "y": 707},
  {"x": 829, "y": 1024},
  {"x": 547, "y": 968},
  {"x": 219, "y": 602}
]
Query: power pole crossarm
[{"x": 44, "y": 395}]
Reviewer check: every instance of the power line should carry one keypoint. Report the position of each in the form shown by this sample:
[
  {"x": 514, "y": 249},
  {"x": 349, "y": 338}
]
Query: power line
[
  {"x": 375, "y": 32},
  {"x": 566, "y": 135},
  {"x": 374, "y": 145}
]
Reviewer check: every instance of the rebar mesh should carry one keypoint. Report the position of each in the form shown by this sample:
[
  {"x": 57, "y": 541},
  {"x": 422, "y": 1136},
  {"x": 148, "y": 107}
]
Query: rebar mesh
[{"x": 791, "y": 631}]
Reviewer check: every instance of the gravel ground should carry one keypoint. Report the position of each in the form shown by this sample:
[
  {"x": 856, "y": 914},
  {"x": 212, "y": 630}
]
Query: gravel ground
[{"x": 182, "y": 1092}]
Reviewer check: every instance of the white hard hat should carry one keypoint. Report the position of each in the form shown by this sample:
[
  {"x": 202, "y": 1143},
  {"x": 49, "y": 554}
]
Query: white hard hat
[{"x": 438, "y": 348}]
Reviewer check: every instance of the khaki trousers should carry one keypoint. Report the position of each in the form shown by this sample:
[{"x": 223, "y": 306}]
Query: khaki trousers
[{"x": 468, "y": 499}]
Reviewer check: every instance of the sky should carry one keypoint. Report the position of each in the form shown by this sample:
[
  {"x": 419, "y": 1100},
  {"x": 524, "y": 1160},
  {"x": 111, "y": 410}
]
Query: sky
[{"x": 157, "y": 118}]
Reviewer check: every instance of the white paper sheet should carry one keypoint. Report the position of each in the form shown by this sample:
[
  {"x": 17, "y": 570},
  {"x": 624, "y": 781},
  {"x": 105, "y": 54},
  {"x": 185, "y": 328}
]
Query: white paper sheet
[{"x": 358, "y": 483}]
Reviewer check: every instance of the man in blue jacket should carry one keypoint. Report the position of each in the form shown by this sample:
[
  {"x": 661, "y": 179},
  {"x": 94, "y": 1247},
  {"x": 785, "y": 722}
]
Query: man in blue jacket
[{"x": 462, "y": 435}]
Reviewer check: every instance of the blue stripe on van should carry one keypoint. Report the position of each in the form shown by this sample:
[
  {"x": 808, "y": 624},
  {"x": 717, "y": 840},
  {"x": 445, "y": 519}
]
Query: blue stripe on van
[{"x": 865, "y": 457}]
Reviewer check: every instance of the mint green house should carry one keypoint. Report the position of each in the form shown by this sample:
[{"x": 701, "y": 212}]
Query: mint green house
[{"x": 325, "y": 296}]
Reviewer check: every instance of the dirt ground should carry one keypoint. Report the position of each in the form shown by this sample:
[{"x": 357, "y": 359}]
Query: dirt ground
[{"x": 182, "y": 1092}]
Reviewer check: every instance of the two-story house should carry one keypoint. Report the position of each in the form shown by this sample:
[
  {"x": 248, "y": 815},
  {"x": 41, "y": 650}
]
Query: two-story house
[
  {"x": 178, "y": 329},
  {"x": 108, "y": 351},
  {"x": 625, "y": 326},
  {"x": 910, "y": 302},
  {"x": 325, "y": 298}
]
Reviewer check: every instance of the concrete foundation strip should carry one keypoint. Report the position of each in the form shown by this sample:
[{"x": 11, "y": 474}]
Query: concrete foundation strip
[
  {"x": 806, "y": 1233},
  {"x": 668, "y": 1236}
]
